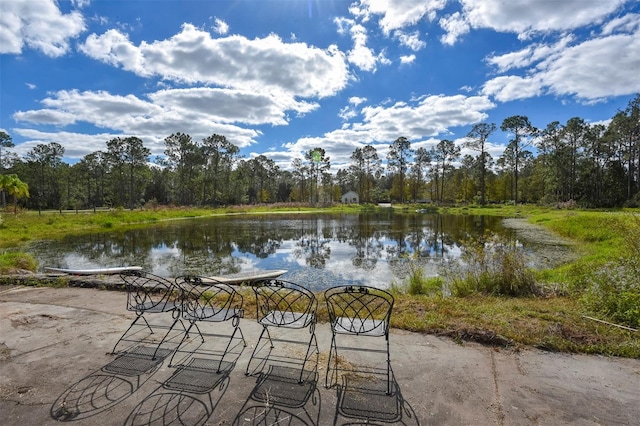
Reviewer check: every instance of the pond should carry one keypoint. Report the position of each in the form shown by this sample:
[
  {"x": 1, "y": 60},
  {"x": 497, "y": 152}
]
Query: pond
[{"x": 317, "y": 250}]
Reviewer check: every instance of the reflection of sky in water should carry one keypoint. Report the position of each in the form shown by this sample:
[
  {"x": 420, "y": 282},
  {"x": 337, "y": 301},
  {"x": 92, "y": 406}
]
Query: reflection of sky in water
[{"x": 332, "y": 250}]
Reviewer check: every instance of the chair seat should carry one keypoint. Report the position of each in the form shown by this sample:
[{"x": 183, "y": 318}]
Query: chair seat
[
  {"x": 211, "y": 315},
  {"x": 369, "y": 327},
  {"x": 154, "y": 307},
  {"x": 286, "y": 319}
]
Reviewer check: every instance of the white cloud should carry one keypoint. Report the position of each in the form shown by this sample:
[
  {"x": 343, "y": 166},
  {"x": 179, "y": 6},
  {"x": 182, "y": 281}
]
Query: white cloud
[
  {"x": 509, "y": 88},
  {"x": 231, "y": 106},
  {"x": 220, "y": 27},
  {"x": 412, "y": 40},
  {"x": 629, "y": 23},
  {"x": 114, "y": 48},
  {"x": 356, "y": 100},
  {"x": 199, "y": 112},
  {"x": 76, "y": 145},
  {"x": 529, "y": 55},
  {"x": 591, "y": 70},
  {"x": 425, "y": 117},
  {"x": 46, "y": 116},
  {"x": 408, "y": 59},
  {"x": 360, "y": 55},
  {"x": 396, "y": 14},
  {"x": 525, "y": 17},
  {"x": 39, "y": 25},
  {"x": 31, "y": 86},
  {"x": 597, "y": 68},
  {"x": 192, "y": 56},
  {"x": 347, "y": 113},
  {"x": 80, "y": 3},
  {"x": 455, "y": 26}
]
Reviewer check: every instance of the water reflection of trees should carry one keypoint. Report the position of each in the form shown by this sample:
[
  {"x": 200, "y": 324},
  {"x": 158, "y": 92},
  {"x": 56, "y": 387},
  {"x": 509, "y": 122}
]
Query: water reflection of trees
[
  {"x": 366, "y": 238},
  {"x": 214, "y": 246},
  {"x": 314, "y": 242}
]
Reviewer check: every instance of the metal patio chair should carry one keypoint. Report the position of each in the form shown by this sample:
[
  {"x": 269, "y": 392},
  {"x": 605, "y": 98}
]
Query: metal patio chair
[
  {"x": 150, "y": 294},
  {"x": 284, "y": 304},
  {"x": 358, "y": 311},
  {"x": 208, "y": 301}
]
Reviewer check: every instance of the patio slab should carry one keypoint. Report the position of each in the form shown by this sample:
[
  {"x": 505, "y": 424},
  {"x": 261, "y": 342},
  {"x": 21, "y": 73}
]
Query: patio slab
[{"x": 56, "y": 366}]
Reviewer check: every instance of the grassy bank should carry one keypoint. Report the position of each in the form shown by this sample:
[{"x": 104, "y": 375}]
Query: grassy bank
[{"x": 559, "y": 318}]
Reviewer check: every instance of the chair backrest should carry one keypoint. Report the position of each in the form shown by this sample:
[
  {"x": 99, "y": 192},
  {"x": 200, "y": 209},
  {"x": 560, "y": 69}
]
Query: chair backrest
[
  {"x": 205, "y": 299},
  {"x": 148, "y": 292},
  {"x": 360, "y": 309},
  {"x": 284, "y": 303}
]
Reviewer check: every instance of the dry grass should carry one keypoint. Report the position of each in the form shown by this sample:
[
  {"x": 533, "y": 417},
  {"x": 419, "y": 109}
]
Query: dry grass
[{"x": 551, "y": 323}]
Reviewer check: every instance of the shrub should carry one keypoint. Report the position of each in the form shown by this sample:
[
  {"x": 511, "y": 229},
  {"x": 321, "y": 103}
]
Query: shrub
[
  {"x": 415, "y": 282},
  {"x": 494, "y": 267},
  {"x": 11, "y": 261},
  {"x": 614, "y": 289},
  {"x": 614, "y": 292},
  {"x": 418, "y": 284}
]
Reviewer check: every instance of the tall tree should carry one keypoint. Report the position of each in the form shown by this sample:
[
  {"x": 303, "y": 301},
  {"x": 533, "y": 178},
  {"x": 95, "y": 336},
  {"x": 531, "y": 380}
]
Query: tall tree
[
  {"x": 573, "y": 133},
  {"x": 421, "y": 165},
  {"x": 301, "y": 175},
  {"x": 548, "y": 144},
  {"x": 597, "y": 157},
  {"x": 319, "y": 165},
  {"x": 46, "y": 159},
  {"x": 116, "y": 160},
  {"x": 626, "y": 127},
  {"x": 522, "y": 131},
  {"x": 93, "y": 168},
  {"x": 372, "y": 168},
  {"x": 263, "y": 176},
  {"x": 468, "y": 169},
  {"x": 445, "y": 153},
  {"x": 478, "y": 135},
  {"x": 136, "y": 157},
  {"x": 220, "y": 155},
  {"x": 398, "y": 159},
  {"x": 357, "y": 170},
  {"x": 184, "y": 157},
  {"x": 5, "y": 142}
]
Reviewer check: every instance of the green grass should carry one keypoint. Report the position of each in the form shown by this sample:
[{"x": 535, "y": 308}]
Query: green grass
[
  {"x": 11, "y": 261},
  {"x": 556, "y": 323}
]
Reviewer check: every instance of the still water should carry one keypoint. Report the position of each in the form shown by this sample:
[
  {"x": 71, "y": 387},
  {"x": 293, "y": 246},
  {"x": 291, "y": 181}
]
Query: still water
[{"x": 317, "y": 250}]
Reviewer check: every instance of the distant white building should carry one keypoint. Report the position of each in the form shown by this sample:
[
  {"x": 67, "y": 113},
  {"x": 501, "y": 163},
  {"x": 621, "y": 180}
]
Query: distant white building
[{"x": 350, "y": 198}]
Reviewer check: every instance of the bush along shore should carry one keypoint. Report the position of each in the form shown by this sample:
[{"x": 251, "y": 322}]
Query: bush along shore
[{"x": 590, "y": 304}]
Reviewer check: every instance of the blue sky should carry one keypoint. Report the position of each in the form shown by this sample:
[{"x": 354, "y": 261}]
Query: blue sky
[{"x": 281, "y": 77}]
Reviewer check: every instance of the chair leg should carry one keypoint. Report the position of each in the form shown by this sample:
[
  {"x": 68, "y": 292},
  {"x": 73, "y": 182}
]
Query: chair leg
[
  {"x": 236, "y": 328},
  {"x": 197, "y": 328},
  {"x": 185, "y": 337},
  {"x": 175, "y": 321},
  {"x": 128, "y": 329},
  {"x": 333, "y": 345},
  {"x": 256, "y": 348},
  {"x": 388, "y": 368},
  {"x": 311, "y": 339}
]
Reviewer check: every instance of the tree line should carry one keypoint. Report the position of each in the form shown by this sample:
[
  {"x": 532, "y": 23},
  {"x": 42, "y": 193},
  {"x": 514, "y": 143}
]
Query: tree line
[{"x": 592, "y": 165}]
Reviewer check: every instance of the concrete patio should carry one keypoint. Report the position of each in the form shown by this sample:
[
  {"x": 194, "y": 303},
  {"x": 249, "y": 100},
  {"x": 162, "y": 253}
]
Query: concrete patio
[{"x": 55, "y": 365}]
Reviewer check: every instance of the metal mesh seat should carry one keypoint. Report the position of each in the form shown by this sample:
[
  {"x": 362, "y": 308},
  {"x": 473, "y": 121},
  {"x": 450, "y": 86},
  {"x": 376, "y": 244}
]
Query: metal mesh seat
[
  {"x": 208, "y": 301},
  {"x": 358, "y": 311},
  {"x": 284, "y": 304},
  {"x": 150, "y": 294}
]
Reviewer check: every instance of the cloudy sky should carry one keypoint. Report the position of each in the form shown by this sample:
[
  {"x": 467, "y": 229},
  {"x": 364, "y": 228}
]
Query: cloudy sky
[{"x": 280, "y": 77}]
